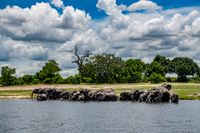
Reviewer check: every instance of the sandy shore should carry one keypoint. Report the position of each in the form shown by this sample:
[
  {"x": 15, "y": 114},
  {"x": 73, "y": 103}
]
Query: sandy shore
[{"x": 15, "y": 97}]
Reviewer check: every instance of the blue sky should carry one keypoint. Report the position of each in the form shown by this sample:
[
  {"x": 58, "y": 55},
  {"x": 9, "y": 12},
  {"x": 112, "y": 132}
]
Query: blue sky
[
  {"x": 35, "y": 31},
  {"x": 90, "y": 5}
]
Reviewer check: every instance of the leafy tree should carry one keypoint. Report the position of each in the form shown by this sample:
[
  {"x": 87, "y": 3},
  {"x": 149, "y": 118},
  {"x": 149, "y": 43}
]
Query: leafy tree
[
  {"x": 183, "y": 67},
  {"x": 18, "y": 81},
  {"x": 76, "y": 79},
  {"x": 156, "y": 78},
  {"x": 29, "y": 79},
  {"x": 49, "y": 71},
  {"x": 105, "y": 68},
  {"x": 163, "y": 61},
  {"x": 57, "y": 79},
  {"x": 133, "y": 70},
  {"x": 7, "y": 76},
  {"x": 155, "y": 67}
]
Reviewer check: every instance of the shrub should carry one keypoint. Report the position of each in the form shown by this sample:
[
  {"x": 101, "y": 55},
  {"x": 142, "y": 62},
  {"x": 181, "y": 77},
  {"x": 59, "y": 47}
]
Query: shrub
[
  {"x": 156, "y": 78},
  {"x": 76, "y": 79},
  {"x": 87, "y": 80}
]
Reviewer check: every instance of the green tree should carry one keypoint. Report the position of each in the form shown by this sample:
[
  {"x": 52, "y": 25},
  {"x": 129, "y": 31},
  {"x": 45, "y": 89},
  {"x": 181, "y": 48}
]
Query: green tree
[
  {"x": 163, "y": 61},
  {"x": 76, "y": 79},
  {"x": 155, "y": 67},
  {"x": 49, "y": 71},
  {"x": 29, "y": 79},
  {"x": 7, "y": 76},
  {"x": 133, "y": 70},
  {"x": 105, "y": 68},
  {"x": 184, "y": 67},
  {"x": 156, "y": 78}
]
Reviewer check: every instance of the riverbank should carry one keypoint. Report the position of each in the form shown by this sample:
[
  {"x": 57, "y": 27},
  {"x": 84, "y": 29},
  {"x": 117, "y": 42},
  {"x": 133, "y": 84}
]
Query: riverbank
[{"x": 186, "y": 91}]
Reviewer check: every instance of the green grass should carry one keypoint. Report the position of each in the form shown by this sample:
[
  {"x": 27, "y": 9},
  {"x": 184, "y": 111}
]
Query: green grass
[
  {"x": 189, "y": 91},
  {"x": 15, "y": 92}
]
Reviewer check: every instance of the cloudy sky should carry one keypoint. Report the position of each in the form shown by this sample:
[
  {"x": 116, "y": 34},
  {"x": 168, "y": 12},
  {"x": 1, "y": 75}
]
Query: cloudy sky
[{"x": 34, "y": 31}]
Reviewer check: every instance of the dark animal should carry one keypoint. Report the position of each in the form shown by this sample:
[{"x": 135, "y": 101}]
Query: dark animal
[{"x": 174, "y": 98}]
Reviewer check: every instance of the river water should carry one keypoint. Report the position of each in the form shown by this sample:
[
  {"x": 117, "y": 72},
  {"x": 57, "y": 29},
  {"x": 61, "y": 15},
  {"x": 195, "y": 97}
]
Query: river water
[{"x": 27, "y": 116}]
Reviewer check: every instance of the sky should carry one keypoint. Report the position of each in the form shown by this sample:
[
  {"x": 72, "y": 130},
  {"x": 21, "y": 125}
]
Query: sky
[{"x": 35, "y": 31}]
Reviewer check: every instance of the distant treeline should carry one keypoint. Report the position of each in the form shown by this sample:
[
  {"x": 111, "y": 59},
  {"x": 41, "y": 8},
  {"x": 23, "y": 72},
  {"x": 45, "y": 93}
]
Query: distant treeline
[{"x": 107, "y": 68}]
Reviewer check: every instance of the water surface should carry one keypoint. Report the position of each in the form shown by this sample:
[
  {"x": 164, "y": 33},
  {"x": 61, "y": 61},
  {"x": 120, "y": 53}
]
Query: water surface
[{"x": 27, "y": 116}]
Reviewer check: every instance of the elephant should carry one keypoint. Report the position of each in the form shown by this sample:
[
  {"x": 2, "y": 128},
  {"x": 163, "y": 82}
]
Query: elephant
[
  {"x": 84, "y": 95},
  {"x": 41, "y": 97},
  {"x": 35, "y": 91},
  {"x": 154, "y": 95},
  {"x": 157, "y": 97},
  {"x": 150, "y": 97},
  {"x": 85, "y": 92},
  {"x": 135, "y": 95},
  {"x": 102, "y": 95},
  {"x": 167, "y": 86},
  {"x": 65, "y": 95},
  {"x": 164, "y": 87},
  {"x": 74, "y": 95},
  {"x": 143, "y": 96},
  {"x": 81, "y": 98},
  {"x": 99, "y": 96},
  {"x": 174, "y": 98},
  {"x": 38, "y": 91},
  {"x": 111, "y": 97},
  {"x": 125, "y": 96},
  {"x": 165, "y": 97},
  {"x": 51, "y": 94}
]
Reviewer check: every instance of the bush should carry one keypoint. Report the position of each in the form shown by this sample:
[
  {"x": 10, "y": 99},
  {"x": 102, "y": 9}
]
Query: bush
[
  {"x": 87, "y": 80},
  {"x": 18, "y": 81},
  {"x": 136, "y": 77},
  {"x": 28, "y": 79},
  {"x": 57, "y": 80},
  {"x": 156, "y": 78},
  {"x": 7, "y": 76},
  {"x": 170, "y": 79},
  {"x": 76, "y": 79}
]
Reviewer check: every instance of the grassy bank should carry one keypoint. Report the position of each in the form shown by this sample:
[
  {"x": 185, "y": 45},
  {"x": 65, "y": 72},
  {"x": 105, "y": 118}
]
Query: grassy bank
[{"x": 188, "y": 91}]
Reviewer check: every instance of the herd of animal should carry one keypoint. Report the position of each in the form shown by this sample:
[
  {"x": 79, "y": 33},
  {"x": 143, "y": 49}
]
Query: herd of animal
[{"x": 154, "y": 95}]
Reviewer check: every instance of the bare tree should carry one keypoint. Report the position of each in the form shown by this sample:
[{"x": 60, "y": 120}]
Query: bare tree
[{"x": 79, "y": 58}]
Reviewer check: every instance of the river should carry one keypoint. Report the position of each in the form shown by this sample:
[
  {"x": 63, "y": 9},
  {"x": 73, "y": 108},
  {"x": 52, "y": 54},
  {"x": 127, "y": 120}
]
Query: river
[{"x": 27, "y": 116}]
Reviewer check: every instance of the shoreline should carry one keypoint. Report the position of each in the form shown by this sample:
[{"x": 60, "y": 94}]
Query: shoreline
[{"x": 186, "y": 91}]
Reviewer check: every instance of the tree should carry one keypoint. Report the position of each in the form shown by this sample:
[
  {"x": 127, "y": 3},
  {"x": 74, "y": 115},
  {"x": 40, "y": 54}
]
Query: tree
[
  {"x": 156, "y": 78},
  {"x": 133, "y": 70},
  {"x": 79, "y": 59},
  {"x": 7, "y": 76},
  {"x": 29, "y": 79},
  {"x": 49, "y": 72},
  {"x": 163, "y": 61},
  {"x": 183, "y": 67},
  {"x": 76, "y": 79},
  {"x": 155, "y": 67},
  {"x": 105, "y": 68}
]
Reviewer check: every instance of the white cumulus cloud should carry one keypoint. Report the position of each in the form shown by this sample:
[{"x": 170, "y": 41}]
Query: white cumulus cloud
[
  {"x": 34, "y": 35},
  {"x": 57, "y": 3},
  {"x": 144, "y": 5}
]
